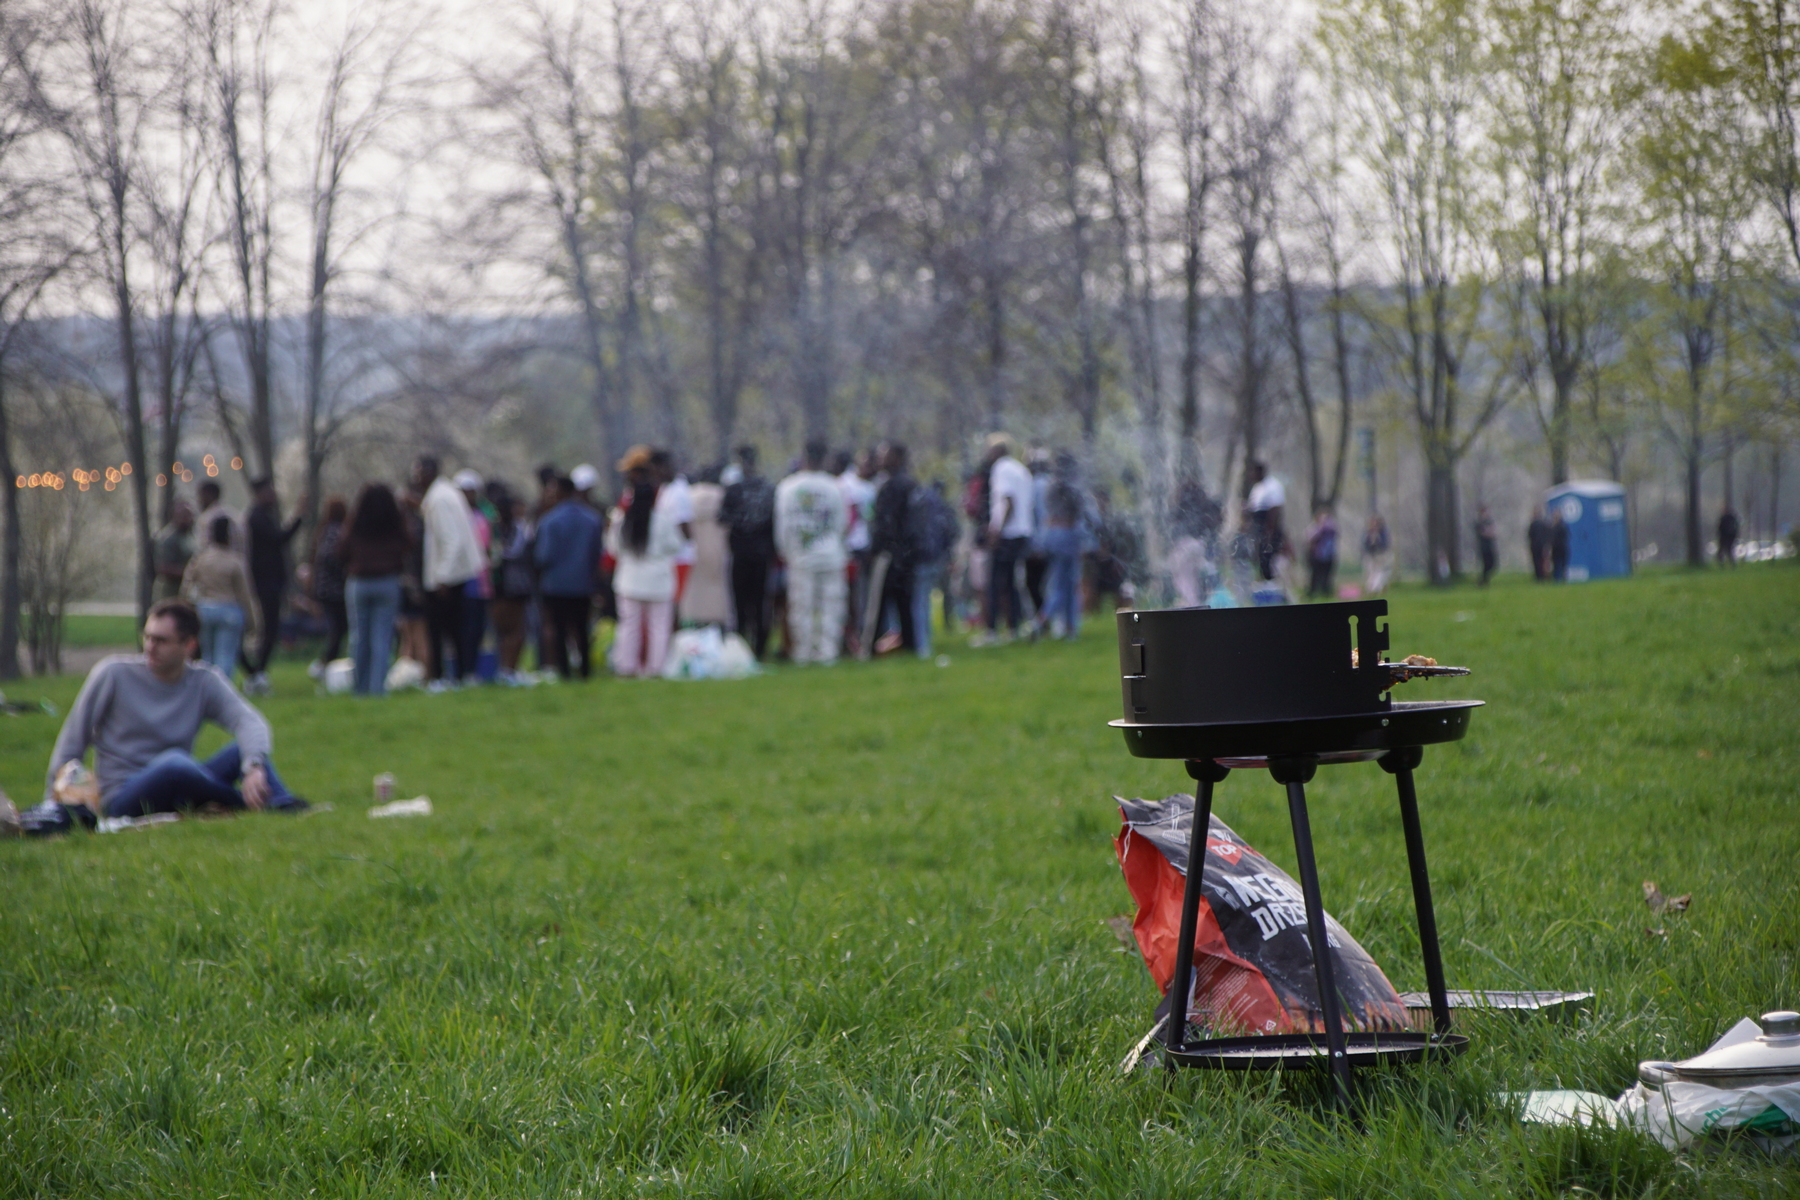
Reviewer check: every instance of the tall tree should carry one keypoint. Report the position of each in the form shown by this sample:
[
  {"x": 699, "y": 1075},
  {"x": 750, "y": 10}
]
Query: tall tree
[
  {"x": 1196, "y": 50},
  {"x": 715, "y": 182},
  {"x": 1416, "y": 74},
  {"x": 1560, "y": 113},
  {"x": 1696, "y": 201},
  {"x": 236, "y": 37},
  {"x": 365, "y": 73},
  {"x": 1317, "y": 224},
  {"x": 33, "y": 254},
  {"x": 1255, "y": 87},
  {"x": 90, "y": 80}
]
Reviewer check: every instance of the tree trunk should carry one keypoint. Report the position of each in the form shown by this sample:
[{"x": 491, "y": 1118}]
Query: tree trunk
[
  {"x": 1562, "y": 397},
  {"x": 9, "y": 554},
  {"x": 1188, "y": 454},
  {"x": 1696, "y": 540},
  {"x": 134, "y": 433},
  {"x": 1440, "y": 519}
]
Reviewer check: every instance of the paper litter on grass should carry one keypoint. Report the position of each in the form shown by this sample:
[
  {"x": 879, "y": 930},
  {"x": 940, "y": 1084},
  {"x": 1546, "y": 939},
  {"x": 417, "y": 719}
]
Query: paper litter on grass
[
  {"x": 418, "y": 806},
  {"x": 1565, "y": 1107},
  {"x": 117, "y": 824},
  {"x": 1679, "y": 1113}
]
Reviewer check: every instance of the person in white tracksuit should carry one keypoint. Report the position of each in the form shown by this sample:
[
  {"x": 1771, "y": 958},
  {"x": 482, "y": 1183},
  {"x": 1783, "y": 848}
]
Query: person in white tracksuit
[{"x": 811, "y": 518}]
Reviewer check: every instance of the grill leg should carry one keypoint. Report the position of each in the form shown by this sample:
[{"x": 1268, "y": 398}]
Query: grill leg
[
  {"x": 1400, "y": 764},
  {"x": 1206, "y": 773},
  {"x": 1294, "y": 772}
]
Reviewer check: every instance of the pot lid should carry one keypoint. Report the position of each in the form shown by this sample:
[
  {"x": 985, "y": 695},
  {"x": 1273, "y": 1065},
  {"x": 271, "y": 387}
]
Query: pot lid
[{"x": 1774, "y": 1052}]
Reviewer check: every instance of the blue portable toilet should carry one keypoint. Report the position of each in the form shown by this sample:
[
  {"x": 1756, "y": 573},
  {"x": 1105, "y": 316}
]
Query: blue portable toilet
[{"x": 1599, "y": 539}]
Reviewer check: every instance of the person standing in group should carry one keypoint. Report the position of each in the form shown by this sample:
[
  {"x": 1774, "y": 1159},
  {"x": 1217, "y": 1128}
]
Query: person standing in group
[
  {"x": 268, "y": 539},
  {"x": 376, "y": 544},
  {"x": 1266, "y": 503},
  {"x": 1321, "y": 552},
  {"x": 1537, "y": 543},
  {"x": 1378, "y": 555},
  {"x": 1037, "y": 558},
  {"x": 218, "y": 586},
  {"x": 411, "y": 629},
  {"x": 855, "y": 478},
  {"x": 1009, "y": 534},
  {"x": 568, "y": 555},
  {"x": 1559, "y": 547},
  {"x": 677, "y": 495},
  {"x": 644, "y": 539},
  {"x": 707, "y": 598},
  {"x": 1068, "y": 522},
  {"x": 810, "y": 521},
  {"x": 1728, "y": 537},
  {"x": 1195, "y": 522},
  {"x": 328, "y": 580},
  {"x": 514, "y": 577},
  {"x": 933, "y": 537},
  {"x": 479, "y": 590},
  {"x": 1487, "y": 543},
  {"x": 891, "y": 540},
  {"x": 212, "y": 507},
  {"x": 452, "y": 557},
  {"x": 175, "y": 545},
  {"x": 748, "y": 513}
]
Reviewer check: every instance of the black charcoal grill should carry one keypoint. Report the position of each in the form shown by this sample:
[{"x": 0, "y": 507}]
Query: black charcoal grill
[{"x": 1280, "y": 688}]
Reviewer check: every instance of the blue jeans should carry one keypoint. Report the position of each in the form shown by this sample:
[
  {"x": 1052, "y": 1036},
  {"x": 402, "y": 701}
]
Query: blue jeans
[
  {"x": 1063, "y": 590},
  {"x": 925, "y": 577},
  {"x": 175, "y": 779},
  {"x": 221, "y": 630},
  {"x": 373, "y": 603}
]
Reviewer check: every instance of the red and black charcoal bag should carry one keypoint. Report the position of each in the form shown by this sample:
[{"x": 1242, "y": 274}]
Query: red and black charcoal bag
[{"x": 1253, "y": 965}]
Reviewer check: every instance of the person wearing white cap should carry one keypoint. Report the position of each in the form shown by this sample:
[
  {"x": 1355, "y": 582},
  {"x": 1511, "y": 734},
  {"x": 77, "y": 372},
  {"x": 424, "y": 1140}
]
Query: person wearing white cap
[{"x": 452, "y": 557}]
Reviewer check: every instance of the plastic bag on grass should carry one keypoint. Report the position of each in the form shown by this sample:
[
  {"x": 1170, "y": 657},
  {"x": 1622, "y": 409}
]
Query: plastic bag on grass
[
  {"x": 1253, "y": 965},
  {"x": 708, "y": 653}
]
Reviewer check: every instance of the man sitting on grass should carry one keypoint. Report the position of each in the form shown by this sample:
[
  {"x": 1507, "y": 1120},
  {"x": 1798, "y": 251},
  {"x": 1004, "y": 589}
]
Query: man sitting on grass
[{"x": 141, "y": 713}]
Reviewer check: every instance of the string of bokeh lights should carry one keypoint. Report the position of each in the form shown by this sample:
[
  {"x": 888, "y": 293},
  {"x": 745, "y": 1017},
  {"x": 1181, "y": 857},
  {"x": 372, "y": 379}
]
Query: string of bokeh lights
[{"x": 112, "y": 477}]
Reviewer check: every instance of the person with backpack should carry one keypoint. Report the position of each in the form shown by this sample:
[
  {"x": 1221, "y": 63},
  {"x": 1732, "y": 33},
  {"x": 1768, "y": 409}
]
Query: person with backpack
[
  {"x": 748, "y": 513},
  {"x": 933, "y": 529},
  {"x": 811, "y": 518},
  {"x": 1067, "y": 534}
]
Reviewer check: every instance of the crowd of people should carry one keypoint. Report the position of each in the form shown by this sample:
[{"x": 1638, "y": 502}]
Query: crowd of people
[{"x": 461, "y": 575}]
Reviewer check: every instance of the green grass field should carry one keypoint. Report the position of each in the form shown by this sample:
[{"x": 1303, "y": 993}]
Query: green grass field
[{"x": 839, "y": 933}]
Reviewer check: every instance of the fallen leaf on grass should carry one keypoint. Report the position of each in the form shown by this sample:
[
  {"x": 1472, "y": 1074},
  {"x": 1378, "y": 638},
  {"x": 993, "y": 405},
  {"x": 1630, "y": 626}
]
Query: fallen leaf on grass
[
  {"x": 1704, "y": 753},
  {"x": 1121, "y": 927},
  {"x": 1660, "y": 903}
]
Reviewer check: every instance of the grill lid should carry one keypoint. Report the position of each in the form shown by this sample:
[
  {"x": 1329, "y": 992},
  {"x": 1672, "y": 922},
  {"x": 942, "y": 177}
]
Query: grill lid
[{"x": 1773, "y": 1056}]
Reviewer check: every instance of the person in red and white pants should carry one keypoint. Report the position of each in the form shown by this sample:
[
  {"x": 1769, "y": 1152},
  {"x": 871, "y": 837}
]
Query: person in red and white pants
[{"x": 644, "y": 539}]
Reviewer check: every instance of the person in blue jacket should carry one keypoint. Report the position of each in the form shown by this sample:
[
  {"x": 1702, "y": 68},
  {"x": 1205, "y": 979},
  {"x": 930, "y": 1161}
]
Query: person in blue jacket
[{"x": 568, "y": 559}]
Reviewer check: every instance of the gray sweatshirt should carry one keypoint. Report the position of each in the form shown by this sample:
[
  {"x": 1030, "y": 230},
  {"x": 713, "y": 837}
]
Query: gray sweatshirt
[{"x": 129, "y": 716}]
